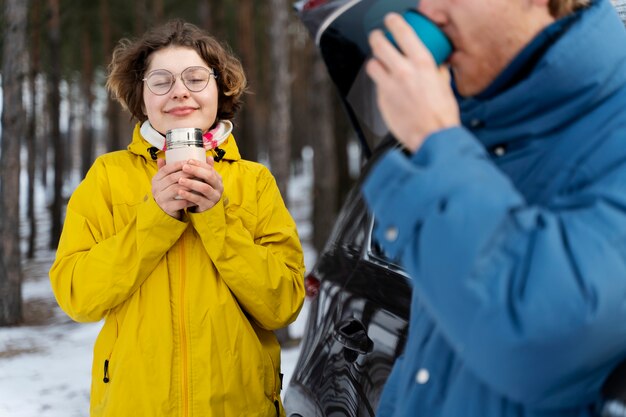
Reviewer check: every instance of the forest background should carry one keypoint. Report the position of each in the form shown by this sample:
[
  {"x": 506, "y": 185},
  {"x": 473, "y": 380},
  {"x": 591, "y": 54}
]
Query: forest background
[{"x": 57, "y": 116}]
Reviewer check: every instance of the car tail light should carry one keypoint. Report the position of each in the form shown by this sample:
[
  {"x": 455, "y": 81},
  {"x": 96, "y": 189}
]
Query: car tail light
[
  {"x": 312, "y": 4},
  {"x": 312, "y": 286}
]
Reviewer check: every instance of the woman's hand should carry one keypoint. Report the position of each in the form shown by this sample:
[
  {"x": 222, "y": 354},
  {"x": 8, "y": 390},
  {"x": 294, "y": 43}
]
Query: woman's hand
[
  {"x": 186, "y": 184},
  {"x": 200, "y": 185},
  {"x": 166, "y": 187},
  {"x": 414, "y": 96}
]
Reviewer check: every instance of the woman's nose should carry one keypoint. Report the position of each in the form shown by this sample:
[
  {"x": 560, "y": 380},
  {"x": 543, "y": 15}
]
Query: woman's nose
[{"x": 179, "y": 89}]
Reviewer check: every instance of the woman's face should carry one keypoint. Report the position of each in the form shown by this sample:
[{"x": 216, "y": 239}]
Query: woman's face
[{"x": 179, "y": 107}]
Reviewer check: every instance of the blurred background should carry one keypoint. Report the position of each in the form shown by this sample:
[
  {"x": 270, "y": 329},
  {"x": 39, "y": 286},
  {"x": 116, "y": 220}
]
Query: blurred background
[{"x": 57, "y": 116}]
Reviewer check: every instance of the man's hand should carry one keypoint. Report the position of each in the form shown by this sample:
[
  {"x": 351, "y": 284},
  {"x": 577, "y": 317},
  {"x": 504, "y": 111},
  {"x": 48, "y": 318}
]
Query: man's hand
[{"x": 414, "y": 96}]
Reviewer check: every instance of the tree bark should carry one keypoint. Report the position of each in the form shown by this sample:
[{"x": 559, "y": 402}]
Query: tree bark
[
  {"x": 302, "y": 132},
  {"x": 31, "y": 136},
  {"x": 13, "y": 132},
  {"x": 205, "y": 15},
  {"x": 87, "y": 75},
  {"x": 141, "y": 20},
  {"x": 113, "y": 111},
  {"x": 280, "y": 95},
  {"x": 157, "y": 7},
  {"x": 54, "y": 104},
  {"x": 280, "y": 101},
  {"x": 247, "y": 137},
  {"x": 70, "y": 139},
  {"x": 263, "y": 87}
]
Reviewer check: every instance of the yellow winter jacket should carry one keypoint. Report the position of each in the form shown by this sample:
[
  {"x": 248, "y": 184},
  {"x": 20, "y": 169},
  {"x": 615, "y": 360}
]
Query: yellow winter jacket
[{"x": 189, "y": 305}]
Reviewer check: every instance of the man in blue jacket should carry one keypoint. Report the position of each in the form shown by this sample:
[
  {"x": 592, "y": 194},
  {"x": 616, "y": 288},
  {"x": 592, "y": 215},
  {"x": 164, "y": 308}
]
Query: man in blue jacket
[{"x": 507, "y": 206}]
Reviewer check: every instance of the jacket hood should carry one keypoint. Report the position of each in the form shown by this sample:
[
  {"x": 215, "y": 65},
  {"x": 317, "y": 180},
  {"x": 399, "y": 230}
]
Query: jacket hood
[
  {"x": 574, "y": 76},
  {"x": 140, "y": 146}
]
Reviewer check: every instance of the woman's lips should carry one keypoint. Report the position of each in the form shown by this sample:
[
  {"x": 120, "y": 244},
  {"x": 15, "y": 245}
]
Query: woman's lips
[{"x": 180, "y": 111}]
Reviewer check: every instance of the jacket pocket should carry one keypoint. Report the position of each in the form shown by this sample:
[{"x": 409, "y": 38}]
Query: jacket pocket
[
  {"x": 270, "y": 355},
  {"x": 103, "y": 361}
]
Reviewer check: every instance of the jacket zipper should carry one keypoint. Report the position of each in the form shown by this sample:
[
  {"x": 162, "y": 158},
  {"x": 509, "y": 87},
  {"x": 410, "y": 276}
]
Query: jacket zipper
[
  {"x": 274, "y": 395},
  {"x": 105, "y": 377},
  {"x": 106, "y": 372},
  {"x": 183, "y": 333}
]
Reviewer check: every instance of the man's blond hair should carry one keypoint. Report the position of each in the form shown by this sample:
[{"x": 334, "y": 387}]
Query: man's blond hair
[{"x": 560, "y": 8}]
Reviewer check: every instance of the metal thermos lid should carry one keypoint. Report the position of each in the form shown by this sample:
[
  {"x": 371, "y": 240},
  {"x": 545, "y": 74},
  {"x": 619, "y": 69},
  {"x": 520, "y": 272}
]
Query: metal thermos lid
[{"x": 183, "y": 137}]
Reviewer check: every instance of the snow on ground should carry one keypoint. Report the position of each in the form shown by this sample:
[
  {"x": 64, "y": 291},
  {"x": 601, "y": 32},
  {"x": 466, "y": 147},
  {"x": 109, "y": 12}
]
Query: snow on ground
[{"x": 45, "y": 364}]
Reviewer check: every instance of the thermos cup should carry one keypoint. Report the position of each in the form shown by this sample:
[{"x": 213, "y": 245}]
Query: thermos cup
[
  {"x": 183, "y": 144},
  {"x": 435, "y": 40}
]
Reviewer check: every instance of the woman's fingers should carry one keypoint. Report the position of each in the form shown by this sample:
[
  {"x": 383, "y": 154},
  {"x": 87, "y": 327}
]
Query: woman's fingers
[
  {"x": 203, "y": 172},
  {"x": 187, "y": 184},
  {"x": 203, "y": 185}
]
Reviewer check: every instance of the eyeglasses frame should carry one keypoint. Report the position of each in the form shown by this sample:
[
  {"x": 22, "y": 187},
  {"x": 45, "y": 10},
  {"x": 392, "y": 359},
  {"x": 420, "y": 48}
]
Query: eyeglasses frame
[{"x": 212, "y": 73}]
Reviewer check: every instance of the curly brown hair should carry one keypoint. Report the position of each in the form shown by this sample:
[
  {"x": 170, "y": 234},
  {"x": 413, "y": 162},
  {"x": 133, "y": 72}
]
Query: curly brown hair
[
  {"x": 132, "y": 57},
  {"x": 560, "y": 8}
]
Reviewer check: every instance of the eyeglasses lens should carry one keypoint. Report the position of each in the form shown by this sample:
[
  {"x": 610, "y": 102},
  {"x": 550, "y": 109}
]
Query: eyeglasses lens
[{"x": 194, "y": 78}]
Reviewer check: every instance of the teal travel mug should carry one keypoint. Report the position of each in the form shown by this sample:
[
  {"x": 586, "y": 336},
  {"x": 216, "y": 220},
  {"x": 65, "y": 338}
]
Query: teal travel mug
[{"x": 435, "y": 40}]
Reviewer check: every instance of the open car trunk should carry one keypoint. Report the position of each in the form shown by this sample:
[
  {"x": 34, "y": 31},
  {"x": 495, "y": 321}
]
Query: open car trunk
[{"x": 340, "y": 29}]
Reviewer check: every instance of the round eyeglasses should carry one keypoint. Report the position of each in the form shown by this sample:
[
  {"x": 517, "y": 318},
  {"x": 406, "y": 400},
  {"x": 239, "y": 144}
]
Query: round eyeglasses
[{"x": 195, "y": 79}]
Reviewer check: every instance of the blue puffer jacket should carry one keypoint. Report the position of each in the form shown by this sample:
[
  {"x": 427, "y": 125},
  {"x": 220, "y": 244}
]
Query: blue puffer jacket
[{"x": 513, "y": 228}]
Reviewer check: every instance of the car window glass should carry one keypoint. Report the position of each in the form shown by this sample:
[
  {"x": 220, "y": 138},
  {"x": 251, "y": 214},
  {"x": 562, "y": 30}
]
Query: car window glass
[
  {"x": 351, "y": 226},
  {"x": 377, "y": 254}
]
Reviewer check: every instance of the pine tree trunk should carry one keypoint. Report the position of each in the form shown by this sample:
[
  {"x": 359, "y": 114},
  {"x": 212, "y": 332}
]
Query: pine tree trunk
[
  {"x": 140, "y": 21},
  {"x": 86, "y": 136},
  {"x": 13, "y": 132},
  {"x": 280, "y": 96},
  {"x": 264, "y": 71},
  {"x": 54, "y": 104},
  {"x": 69, "y": 138},
  {"x": 303, "y": 133},
  {"x": 31, "y": 137},
  {"x": 247, "y": 137},
  {"x": 157, "y": 8},
  {"x": 212, "y": 17},
  {"x": 113, "y": 111},
  {"x": 205, "y": 15}
]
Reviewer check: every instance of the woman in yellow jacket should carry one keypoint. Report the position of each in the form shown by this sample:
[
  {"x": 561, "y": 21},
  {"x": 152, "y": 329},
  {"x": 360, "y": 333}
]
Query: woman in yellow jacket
[{"x": 191, "y": 264}]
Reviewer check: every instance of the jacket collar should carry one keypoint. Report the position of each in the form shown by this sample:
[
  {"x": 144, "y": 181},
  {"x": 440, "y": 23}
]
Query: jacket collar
[
  {"x": 574, "y": 75},
  {"x": 140, "y": 145},
  {"x": 212, "y": 139}
]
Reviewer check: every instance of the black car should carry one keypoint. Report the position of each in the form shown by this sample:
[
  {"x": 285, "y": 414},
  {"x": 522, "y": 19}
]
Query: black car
[
  {"x": 357, "y": 323},
  {"x": 358, "y": 320}
]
